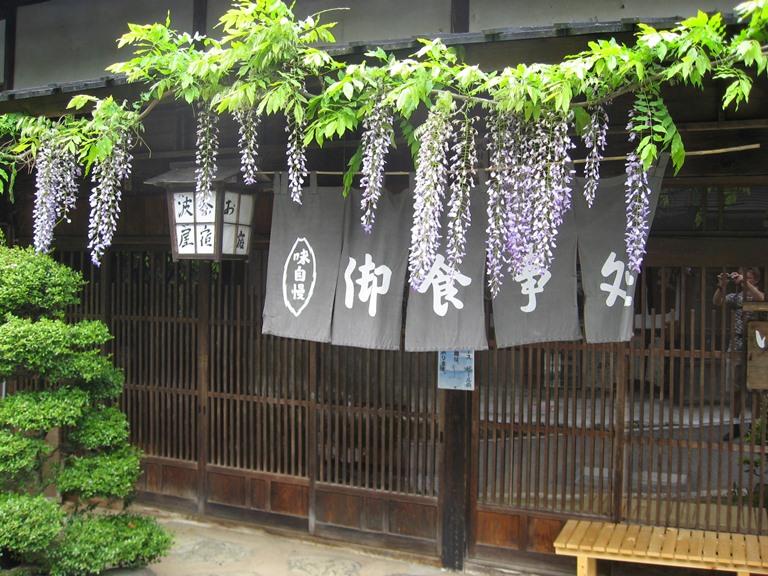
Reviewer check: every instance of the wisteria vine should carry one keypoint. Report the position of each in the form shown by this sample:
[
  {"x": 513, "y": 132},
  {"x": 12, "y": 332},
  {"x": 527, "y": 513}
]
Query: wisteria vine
[
  {"x": 464, "y": 162},
  {"x": 595, "y": 139},
  {"x": 248, "y": 120},
  {"x": 205, "y": 156},
  {"x": 429, "y": 189},
  {"x": 376, "y": 140},
  {"x": 107, "y": 175},
  {"x": 56, "y": 187},
  {"x": 530, "y": 109},
  {"x": 297, "y": 157},
  {"x": 499, "y": 127}
]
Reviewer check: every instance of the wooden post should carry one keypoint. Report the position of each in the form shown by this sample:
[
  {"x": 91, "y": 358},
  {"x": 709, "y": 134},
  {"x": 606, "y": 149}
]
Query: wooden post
[
  {"x": 454, "y": 478},
  {"x": 203, "y": 347}
]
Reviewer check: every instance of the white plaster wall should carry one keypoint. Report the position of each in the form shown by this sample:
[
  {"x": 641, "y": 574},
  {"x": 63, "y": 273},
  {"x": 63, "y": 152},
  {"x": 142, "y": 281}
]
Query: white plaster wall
[
  {"x": 491, "y": 14},
  {"x": 368, "y": 19},
  {"x": 60, "y": 40},
  {"x": 64, "y": 40}
]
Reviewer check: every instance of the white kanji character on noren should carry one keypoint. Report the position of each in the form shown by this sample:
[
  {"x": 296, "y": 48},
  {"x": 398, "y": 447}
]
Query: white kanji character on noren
[
  {"x": 614, "y": 290},
  {"x": 442, "y": 280},
  {"x": 297, "y": 292},
  {"x": 530, "y": 285},
  {"x": 373, "y": 281},
  {"x": 301, "y": 257}
]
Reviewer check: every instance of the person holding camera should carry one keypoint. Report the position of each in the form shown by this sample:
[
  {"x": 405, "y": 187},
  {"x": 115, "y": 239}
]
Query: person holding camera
[{"x": 745, "y": 281}]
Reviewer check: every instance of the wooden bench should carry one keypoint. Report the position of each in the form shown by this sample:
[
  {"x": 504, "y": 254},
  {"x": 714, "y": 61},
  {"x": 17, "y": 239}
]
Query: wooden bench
[{"x": 590, "y": 541}]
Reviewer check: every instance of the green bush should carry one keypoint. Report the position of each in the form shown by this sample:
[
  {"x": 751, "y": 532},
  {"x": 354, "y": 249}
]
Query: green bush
[
  {"x": 45, "y": 410},
  {"x": 64, "y": 383},
  {"x": 19, "y": 456},
  {"x": 33, "y": 287},
  {"x": 90, "y": 543},
  {"x": 103, "y": 427},
  {"x": 28, "y": 525},
  {"x": 111, "y": 475}
]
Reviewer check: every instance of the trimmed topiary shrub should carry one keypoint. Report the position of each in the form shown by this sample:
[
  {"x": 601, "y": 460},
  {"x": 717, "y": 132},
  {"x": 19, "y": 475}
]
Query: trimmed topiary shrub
[{"x": 63, "y": 384}]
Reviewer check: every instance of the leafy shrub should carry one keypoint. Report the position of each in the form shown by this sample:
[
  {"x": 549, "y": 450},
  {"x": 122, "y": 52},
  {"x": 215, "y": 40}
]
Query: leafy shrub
[
  {"x": 19, "y": 455},
  {"x": 103, "y": 427},
  {"x": 32, "y": 286},
  {"x": 28, "y": 524},
  {"x": 111, "y": 475},
  {"x": 42, "y": 411},
  {"x": 90, "y": 543},
  {"x": 64, "y": 381}
]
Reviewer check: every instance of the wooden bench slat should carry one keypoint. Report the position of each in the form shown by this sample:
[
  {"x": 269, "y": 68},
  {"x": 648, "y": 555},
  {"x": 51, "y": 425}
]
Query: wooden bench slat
[
  {"x": 614, "y": 544},
  {"x": 670, "y": 543},
  {"x": 683, "y": 543},
  {"x": 565, "y": 534},
  {"x": 578, "y": 535},
  {"x": 752, "y": 544},
  {"x": 601, "y": 543},
  {"x": 629, "y": 543},
  {"x": 710, "y": 546},
  {"x": 643, "y": 540},
  {"x": 591, "y": 535},
  {"x": 764, "y": 549},
  {"x": 657, "y": 542},
  {"x": 738, "y": 549},
  {"x": 697, "y": 546},
  {"x": 724, "y": 548}
]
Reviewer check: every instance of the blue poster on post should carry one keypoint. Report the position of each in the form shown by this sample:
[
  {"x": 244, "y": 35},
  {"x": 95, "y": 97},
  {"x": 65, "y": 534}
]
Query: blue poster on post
[{"x": 456, "y": 370}]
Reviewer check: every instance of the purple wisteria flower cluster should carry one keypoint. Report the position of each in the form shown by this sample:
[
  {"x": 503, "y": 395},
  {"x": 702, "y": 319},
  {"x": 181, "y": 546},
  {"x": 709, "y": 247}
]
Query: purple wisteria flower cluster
[
  {"x": 548, "y": 182},
  {"x": 56, "y": 185},
  {"x": 638, "y": 193},
  {"x": 429, "y": 189},
  {"x": 595, "y": 139},
  {"x": 205, "y": 155},
  {"x": 464, "y": 162},
  {"x": 106, "y": 194},
  {"x": 638, "y": 210},
  {"x": 529, "y": 191},
  {"x": 377, "y": 137},
  {"x": 249, "y": 121},
  {"x": 297, "y": 157},
  {"x": 500, "y": 130}
]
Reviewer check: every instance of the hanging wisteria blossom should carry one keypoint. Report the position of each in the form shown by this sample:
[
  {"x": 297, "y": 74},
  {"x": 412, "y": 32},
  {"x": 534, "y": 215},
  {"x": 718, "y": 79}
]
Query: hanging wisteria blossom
[
  {"x": 429, "y": 189},
  {"x": 296, "y": 156},
  {"x": 56, "y": 188},
  {"x": 517, "y": 151},
  {"x": 595, "y": 139},
  {"x": 205, "y": 157},
  {"x": 638, "y": 210},
  {"x": 542, "y": 178},
  {"x": 106, "y": 194},
  {"x": 248, "y": 120},
  {"x": 500, "y": 136},
  {"x": 376, "y": 141},
  {"x": 464, "y": 162}
]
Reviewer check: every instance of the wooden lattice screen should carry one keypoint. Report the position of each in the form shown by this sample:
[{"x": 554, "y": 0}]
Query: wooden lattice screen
[{"x": 233, "y": 417}]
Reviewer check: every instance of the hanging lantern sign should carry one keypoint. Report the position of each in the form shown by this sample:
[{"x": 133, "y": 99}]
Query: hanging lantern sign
[
  {"x": 219, "y": 227},
  {"x": 212, "y": 228}
]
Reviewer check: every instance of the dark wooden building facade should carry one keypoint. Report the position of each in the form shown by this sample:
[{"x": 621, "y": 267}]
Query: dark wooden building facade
[{"x": 360, "y": 445}]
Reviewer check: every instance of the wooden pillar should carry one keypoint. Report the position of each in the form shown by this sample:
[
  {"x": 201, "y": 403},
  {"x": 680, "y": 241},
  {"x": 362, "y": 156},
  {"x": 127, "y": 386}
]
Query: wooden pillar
[
  {"x": 454, "y": 478},
  {"x": 460, "y": 16},
  {"x": 200, "y": 16},
  {"x": 203, "y": 348}
]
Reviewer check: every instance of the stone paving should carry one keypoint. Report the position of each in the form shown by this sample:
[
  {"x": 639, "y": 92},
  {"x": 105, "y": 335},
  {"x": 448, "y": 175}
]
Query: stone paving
[{"x": 210, "y": 548}]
